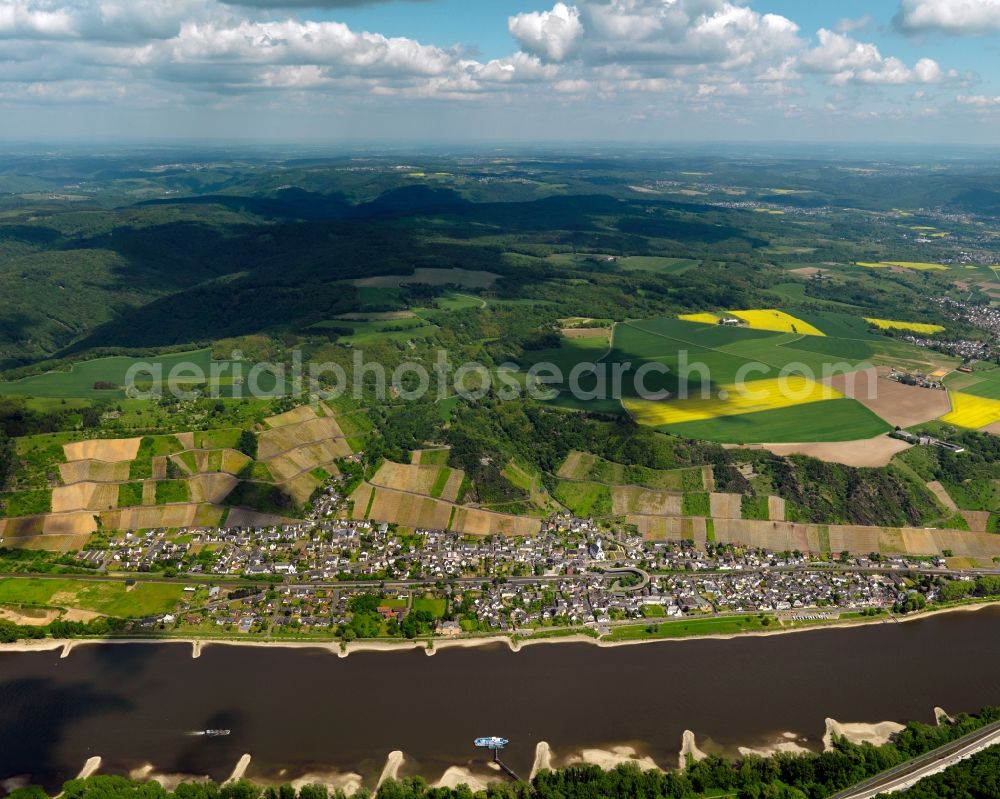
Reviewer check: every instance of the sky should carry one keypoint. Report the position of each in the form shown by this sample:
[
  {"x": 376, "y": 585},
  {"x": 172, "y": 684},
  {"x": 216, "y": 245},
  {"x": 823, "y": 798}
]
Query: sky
[{"x": 466, "y": 71}]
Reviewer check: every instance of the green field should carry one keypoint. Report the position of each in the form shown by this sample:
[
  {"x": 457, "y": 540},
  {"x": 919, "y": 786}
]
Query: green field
[
  {"x": 434, "y": 457},
  {"x": 152, "y": 447},
  {"x": 628, "y": 263},
  {"x": 440, "y": 481},
  {"x": 661, "y": 265},
  {"x": 570, "y": 352},
  {"x": 521, "y": 477},
  {"x": 454, "y": 301},
  {"x": 381, "y": 297},
  {"x": 608, "y": 407},
  {"x": 445, "y": 407},
  {"x": 436, "y": 607},
  {"x": 584, "y": 498},
  {"x": 697, "y": 504},
  {"x": 217, "y": 439},
  {"x": 256, "y": 471},
  {"x": 599, "y": 470},
  {"x": 169, "y": 491},
  {"x": 830, "y": 420},
  {"x": 26, "y": 503},
  {"x": 701, "y": 357},
  {"x": 987, "y": 384},
  {"x": 79, "y": 380},
  {"x": 108, "y": 598},
  {"x": 755, "y": 508},
  {"x": 129, "y": 495},
  {"x": 682, "y": 628},
  {"x": 364, "y": 332}
]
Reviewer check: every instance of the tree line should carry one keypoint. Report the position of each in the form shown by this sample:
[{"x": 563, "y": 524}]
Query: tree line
[
  {"x": 101, "y": 626},
  {"x": 783, "y": 776}
]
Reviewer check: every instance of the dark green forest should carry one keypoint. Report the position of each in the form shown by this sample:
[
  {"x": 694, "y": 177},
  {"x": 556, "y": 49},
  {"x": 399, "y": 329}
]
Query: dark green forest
[{"x": 246, "y": 246}]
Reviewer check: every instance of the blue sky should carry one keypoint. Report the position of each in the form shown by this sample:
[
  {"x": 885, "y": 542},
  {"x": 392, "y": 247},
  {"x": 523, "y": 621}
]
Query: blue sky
[{"x": 498, "y": 70}]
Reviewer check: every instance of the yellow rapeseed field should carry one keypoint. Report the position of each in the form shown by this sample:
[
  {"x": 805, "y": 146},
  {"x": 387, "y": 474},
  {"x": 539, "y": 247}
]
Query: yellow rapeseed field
[
  {"x": 968, "y": 410},
  {"x": 752, "y": 396},
  {"x": 916, "y": 327},
  {"x": 919, "y": 265},
  {"x": 702, "y": 318},
  {"x": 777, "y": 321}
]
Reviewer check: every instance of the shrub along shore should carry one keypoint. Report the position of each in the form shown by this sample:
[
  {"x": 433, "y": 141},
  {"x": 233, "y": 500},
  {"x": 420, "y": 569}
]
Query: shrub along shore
[{"x": 781, "y": 776}]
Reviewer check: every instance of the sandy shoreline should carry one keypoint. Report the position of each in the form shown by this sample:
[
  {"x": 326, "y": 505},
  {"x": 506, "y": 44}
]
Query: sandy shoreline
[
  {"x": 791, "y": 744},
  {"x": 390, "y": 771},
  {"x": 198, "y": 644},
  {"x": 689, "y": 750},
  {"x": 874, "y": 734},
  {"x": 90, "y": 767},
  {"x": 607, "y": 757},
  {"x": 240, "y": 769},
  {"x": 543, "y": 759}
]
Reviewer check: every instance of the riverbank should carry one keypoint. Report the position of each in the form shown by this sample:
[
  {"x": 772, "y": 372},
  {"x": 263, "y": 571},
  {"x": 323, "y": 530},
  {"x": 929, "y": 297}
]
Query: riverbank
[
  {"x": 514, "y": 643},
  {"x": 479, "y": 777},
  {"x": 646, "y": 698}
]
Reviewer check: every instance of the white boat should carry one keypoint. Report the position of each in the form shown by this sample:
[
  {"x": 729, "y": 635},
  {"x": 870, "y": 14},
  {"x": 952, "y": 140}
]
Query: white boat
[{"x": 493, "y": 742}]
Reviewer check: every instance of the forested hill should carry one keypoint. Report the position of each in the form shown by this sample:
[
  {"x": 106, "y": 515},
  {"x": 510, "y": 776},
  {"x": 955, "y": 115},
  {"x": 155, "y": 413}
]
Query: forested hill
[
  {"x": 140, "y": 250},
  {"x": 191, "y": 269}
]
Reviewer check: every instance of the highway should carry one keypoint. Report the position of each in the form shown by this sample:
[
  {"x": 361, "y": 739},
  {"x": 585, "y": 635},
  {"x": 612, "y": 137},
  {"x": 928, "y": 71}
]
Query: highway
[{"x": 911, "y": 772}]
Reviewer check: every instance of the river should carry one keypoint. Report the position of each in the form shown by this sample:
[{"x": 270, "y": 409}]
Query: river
[{"x": 302, "y": 711}]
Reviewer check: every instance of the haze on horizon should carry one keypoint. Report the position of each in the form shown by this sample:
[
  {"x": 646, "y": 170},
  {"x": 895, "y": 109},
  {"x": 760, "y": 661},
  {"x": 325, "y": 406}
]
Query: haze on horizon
[{"x": 922, "y": 71}]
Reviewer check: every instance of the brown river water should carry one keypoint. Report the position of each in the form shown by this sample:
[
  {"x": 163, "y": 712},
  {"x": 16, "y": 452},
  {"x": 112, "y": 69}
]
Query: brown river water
[{"x": 299, "y": 711}]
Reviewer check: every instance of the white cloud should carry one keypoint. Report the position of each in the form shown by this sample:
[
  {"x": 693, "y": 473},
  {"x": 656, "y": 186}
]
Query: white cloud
[
  {"x": 786, "y": 71},
  {"x": 571, "y": 86},
  {"x": 853, "y": 25},
  {"x": 967, "y": 17},
  {"x": 306, "y": 43},
  {"x": 135, "y": 20},
  {"x": 27, "y": 19},
  {"x": 707, "y": 57},
  {"x": 307, "y": 3},
  {"x": 520, "y": 67},
  {"x": 656, "y": 32},
  {"x": 978, "y": 100},
  {"x": 95, "y": 20},
  {"x": 547, "y": 33},
  {"x": 847, "y": 60}
]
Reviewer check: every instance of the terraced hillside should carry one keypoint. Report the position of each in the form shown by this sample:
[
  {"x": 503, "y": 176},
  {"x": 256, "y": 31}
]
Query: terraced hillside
[
  {"x": 428, "y": 496},
  {"x": 188, "y": 479}
]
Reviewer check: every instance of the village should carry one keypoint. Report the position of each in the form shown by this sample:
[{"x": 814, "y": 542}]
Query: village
[
  {"x": 347, "y": 579},
  {"x": 984, "y": 316}
]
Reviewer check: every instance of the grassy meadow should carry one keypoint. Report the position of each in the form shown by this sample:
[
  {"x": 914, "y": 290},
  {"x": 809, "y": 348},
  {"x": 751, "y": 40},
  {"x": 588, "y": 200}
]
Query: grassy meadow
[{"x": 112, "y": 598}]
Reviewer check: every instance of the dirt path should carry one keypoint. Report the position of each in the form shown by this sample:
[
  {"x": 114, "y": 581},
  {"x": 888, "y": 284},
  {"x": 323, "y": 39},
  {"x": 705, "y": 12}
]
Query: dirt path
[
  {"x": 943, "y": 496},
  {"x": 866, "y": 452}
]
